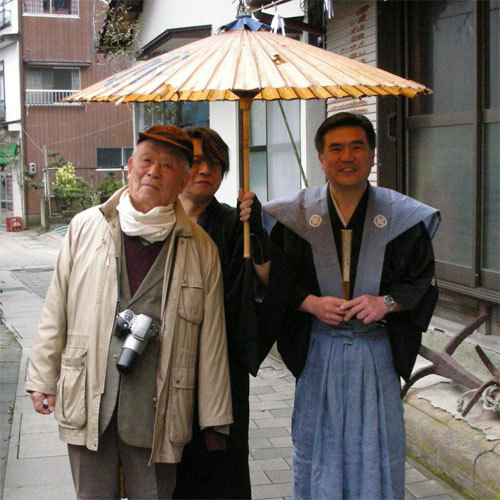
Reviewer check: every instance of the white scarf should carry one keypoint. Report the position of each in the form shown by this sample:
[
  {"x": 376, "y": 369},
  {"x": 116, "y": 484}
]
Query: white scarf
[{"x": 152, "y": 226}]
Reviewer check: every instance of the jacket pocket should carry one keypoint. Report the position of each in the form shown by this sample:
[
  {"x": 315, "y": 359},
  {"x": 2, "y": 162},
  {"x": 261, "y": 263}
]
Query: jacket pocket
[
  {"x": 191, "y": 298},
  {"x": 71, "y": 410},
  {"x": 182, "y": 387}
]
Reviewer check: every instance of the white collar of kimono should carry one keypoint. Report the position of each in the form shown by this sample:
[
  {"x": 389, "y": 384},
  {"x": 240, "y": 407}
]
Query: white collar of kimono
[
  {"x": 152, "y": 226},
  {"x": 339, "y": 213}
]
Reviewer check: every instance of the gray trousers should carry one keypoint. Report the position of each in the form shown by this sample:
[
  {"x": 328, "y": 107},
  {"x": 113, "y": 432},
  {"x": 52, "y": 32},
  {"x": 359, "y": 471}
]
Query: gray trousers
[{"x": 96, "y": 476}]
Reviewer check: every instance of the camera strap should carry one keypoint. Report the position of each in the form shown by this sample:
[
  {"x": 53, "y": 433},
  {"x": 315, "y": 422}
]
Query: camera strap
[{"x": 118, "y": 299}]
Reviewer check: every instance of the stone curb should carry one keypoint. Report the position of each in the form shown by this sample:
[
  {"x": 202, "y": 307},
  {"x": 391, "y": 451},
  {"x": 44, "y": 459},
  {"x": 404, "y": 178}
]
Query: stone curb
[{"x": 452, "y": 449}]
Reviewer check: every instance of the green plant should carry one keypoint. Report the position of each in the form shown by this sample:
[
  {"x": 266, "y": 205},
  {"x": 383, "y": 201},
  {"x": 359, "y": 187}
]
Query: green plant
[
  {"x": 66, "y": 186},
  {"x": 11, "y": 334},
  {"x": 119, "y": 32},
  {"x": 34, "y": 185},
  {"x": 107, "y": 186}
]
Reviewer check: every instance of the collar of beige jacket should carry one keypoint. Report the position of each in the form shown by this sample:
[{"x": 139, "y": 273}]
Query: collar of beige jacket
[{"x": 183, "y": 225}]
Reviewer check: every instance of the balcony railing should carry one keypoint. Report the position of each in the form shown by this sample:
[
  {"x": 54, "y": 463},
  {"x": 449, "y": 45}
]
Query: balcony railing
[
  {"x": 49, "y": 97},
  {"x": 4, "y": 17}
]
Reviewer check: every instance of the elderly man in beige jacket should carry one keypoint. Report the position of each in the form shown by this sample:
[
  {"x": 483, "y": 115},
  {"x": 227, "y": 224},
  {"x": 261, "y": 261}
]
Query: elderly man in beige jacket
[{"x": 138, "y": 252}]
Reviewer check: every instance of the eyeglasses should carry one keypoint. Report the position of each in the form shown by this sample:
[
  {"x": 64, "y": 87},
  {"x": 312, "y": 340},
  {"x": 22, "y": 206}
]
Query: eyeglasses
[{"x": 209, "y": 162}]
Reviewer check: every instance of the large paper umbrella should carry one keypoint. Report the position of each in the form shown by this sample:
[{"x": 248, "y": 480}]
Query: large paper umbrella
[{"x": 245, "y": 62}]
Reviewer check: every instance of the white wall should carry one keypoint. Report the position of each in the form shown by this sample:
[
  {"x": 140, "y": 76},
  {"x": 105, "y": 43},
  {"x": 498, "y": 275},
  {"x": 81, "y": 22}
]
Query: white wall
[
  {"x": 312, "y": 114},
  {"x": 224, "y": 120},
  {"x": 12, "y": 84},
  {"x": 9, "y": 54},
  {"x": 160, "y": 15}
]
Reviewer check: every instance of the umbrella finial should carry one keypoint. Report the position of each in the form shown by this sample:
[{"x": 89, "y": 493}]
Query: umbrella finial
[{"x": 245, "y": 21}]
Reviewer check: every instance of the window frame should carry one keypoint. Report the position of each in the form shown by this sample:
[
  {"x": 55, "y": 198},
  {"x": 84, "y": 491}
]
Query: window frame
[
  {"x": 53, "y": 101},
  {"x": 123, "y": 154},
  {"x": 54, "y": 14},
  {"x": 473, "y": 281},
  {"x": 5, "y": 14}
]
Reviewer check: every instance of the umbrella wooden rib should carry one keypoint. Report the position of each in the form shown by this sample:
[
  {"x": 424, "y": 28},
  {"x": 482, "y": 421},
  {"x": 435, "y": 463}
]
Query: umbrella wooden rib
[
  {"x": 335, "y": 66},
  {"x": 281, "y": 72},
  {"x": 215, "y": 72}
]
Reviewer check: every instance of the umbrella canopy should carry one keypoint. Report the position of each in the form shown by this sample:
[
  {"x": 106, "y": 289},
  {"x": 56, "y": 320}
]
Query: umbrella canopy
[
  {"x": 240, "y": 61},
  {"x": 245, "y": 62}
]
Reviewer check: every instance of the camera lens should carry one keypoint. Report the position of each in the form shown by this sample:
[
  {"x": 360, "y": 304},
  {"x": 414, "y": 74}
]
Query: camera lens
[{"x": 126, "y": 361}]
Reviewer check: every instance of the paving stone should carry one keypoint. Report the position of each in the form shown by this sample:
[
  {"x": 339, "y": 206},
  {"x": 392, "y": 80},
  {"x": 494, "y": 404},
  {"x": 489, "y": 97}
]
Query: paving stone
[
  {"x": 272, "y": 374},
  {"x": 266, "y": 453},
  {"x": 424, "y": 489},
  {"x": 270, "y": 464},
  {"x": 259, "y": 382},
  {"x": 269, "y": 405},
  {"x": 261, "y": 390},
  {"x": 36, "y": 423},
  {"x": 8, "y": 398},
  {"x": 267, "y": 491},
  {"x": 282, "y": 412},
  {"x": 45, "y": 471},
  {"x": 274, "y": 422},
  {"x": 271, "y": 432},
  {"x": 259, "y": 414},
  {"x": 413, "y": 476},
  {"x": 62, "y": 492},
  {"x": 255, "y": 444},
  {"x": 44, "y": 445},
  {"x": 259, "y": 477},
  {"x": 276, "y": 396},
  {"x": 280, "y": 476},
  {"x": 281, "y": 442}
]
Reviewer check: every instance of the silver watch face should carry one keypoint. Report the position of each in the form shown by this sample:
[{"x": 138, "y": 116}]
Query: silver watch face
[{"x": 389, "y": 301}]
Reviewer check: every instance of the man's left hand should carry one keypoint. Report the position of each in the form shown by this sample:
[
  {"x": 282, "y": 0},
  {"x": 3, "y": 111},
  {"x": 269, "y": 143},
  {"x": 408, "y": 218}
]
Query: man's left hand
[
  {"x": 246, "y": 201},
  {"x": 366, "y": 308}
]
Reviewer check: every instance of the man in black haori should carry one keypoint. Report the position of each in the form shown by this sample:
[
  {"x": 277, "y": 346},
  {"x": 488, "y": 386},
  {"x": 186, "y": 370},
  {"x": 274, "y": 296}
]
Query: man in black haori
[
  {"x": 225, "y": 474},
  {"x": 354, "y": 318}
]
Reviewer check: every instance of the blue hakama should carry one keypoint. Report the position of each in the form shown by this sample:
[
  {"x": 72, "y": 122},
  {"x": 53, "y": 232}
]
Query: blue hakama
[{"x": 347, "y": 425}]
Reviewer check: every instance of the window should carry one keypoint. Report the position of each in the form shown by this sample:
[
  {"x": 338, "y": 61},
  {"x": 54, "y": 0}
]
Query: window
[
  {"x": 47, "y": 86},
  {"x": 274, "y": 171},
  {"x": 51, "y": 7},
  {"x": 113, "y": 157},
  {"x": 181, "y": 114},
  {"x": 454, "y": 152},
  {"x": 2, "y": 93},
  {"x": 4, "y": 14}
]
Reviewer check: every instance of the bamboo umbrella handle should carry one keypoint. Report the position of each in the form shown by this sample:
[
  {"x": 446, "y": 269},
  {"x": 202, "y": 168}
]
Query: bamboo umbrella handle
[{"x": 244, "y": 104}]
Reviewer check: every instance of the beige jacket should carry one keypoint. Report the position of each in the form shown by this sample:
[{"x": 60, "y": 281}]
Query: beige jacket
[{"x": 71, "y": 347}]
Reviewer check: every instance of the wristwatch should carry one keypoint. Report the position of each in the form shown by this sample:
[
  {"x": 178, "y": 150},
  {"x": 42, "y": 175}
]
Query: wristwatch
[{"x": 389, "y": 302}]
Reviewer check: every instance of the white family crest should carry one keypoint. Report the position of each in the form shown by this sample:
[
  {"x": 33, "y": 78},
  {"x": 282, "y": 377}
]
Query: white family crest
[
  {"x": 380, "y": 221},
  {"x": 315, "y": 220}
]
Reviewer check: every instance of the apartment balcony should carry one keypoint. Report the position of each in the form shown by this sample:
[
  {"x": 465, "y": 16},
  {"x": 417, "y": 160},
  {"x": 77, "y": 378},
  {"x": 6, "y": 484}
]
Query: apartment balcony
[
  {"x": 4, "y": 18},
  {"x": 36, "y": 97}
]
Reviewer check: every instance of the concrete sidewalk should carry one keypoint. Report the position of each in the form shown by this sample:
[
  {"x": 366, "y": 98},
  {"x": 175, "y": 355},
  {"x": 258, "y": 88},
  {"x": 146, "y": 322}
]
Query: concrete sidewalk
[{"x": 37, "y": 466}]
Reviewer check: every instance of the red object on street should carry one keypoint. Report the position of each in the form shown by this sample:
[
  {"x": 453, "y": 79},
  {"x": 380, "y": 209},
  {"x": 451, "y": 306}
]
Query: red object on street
[{"x": 14, "y": 223}]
